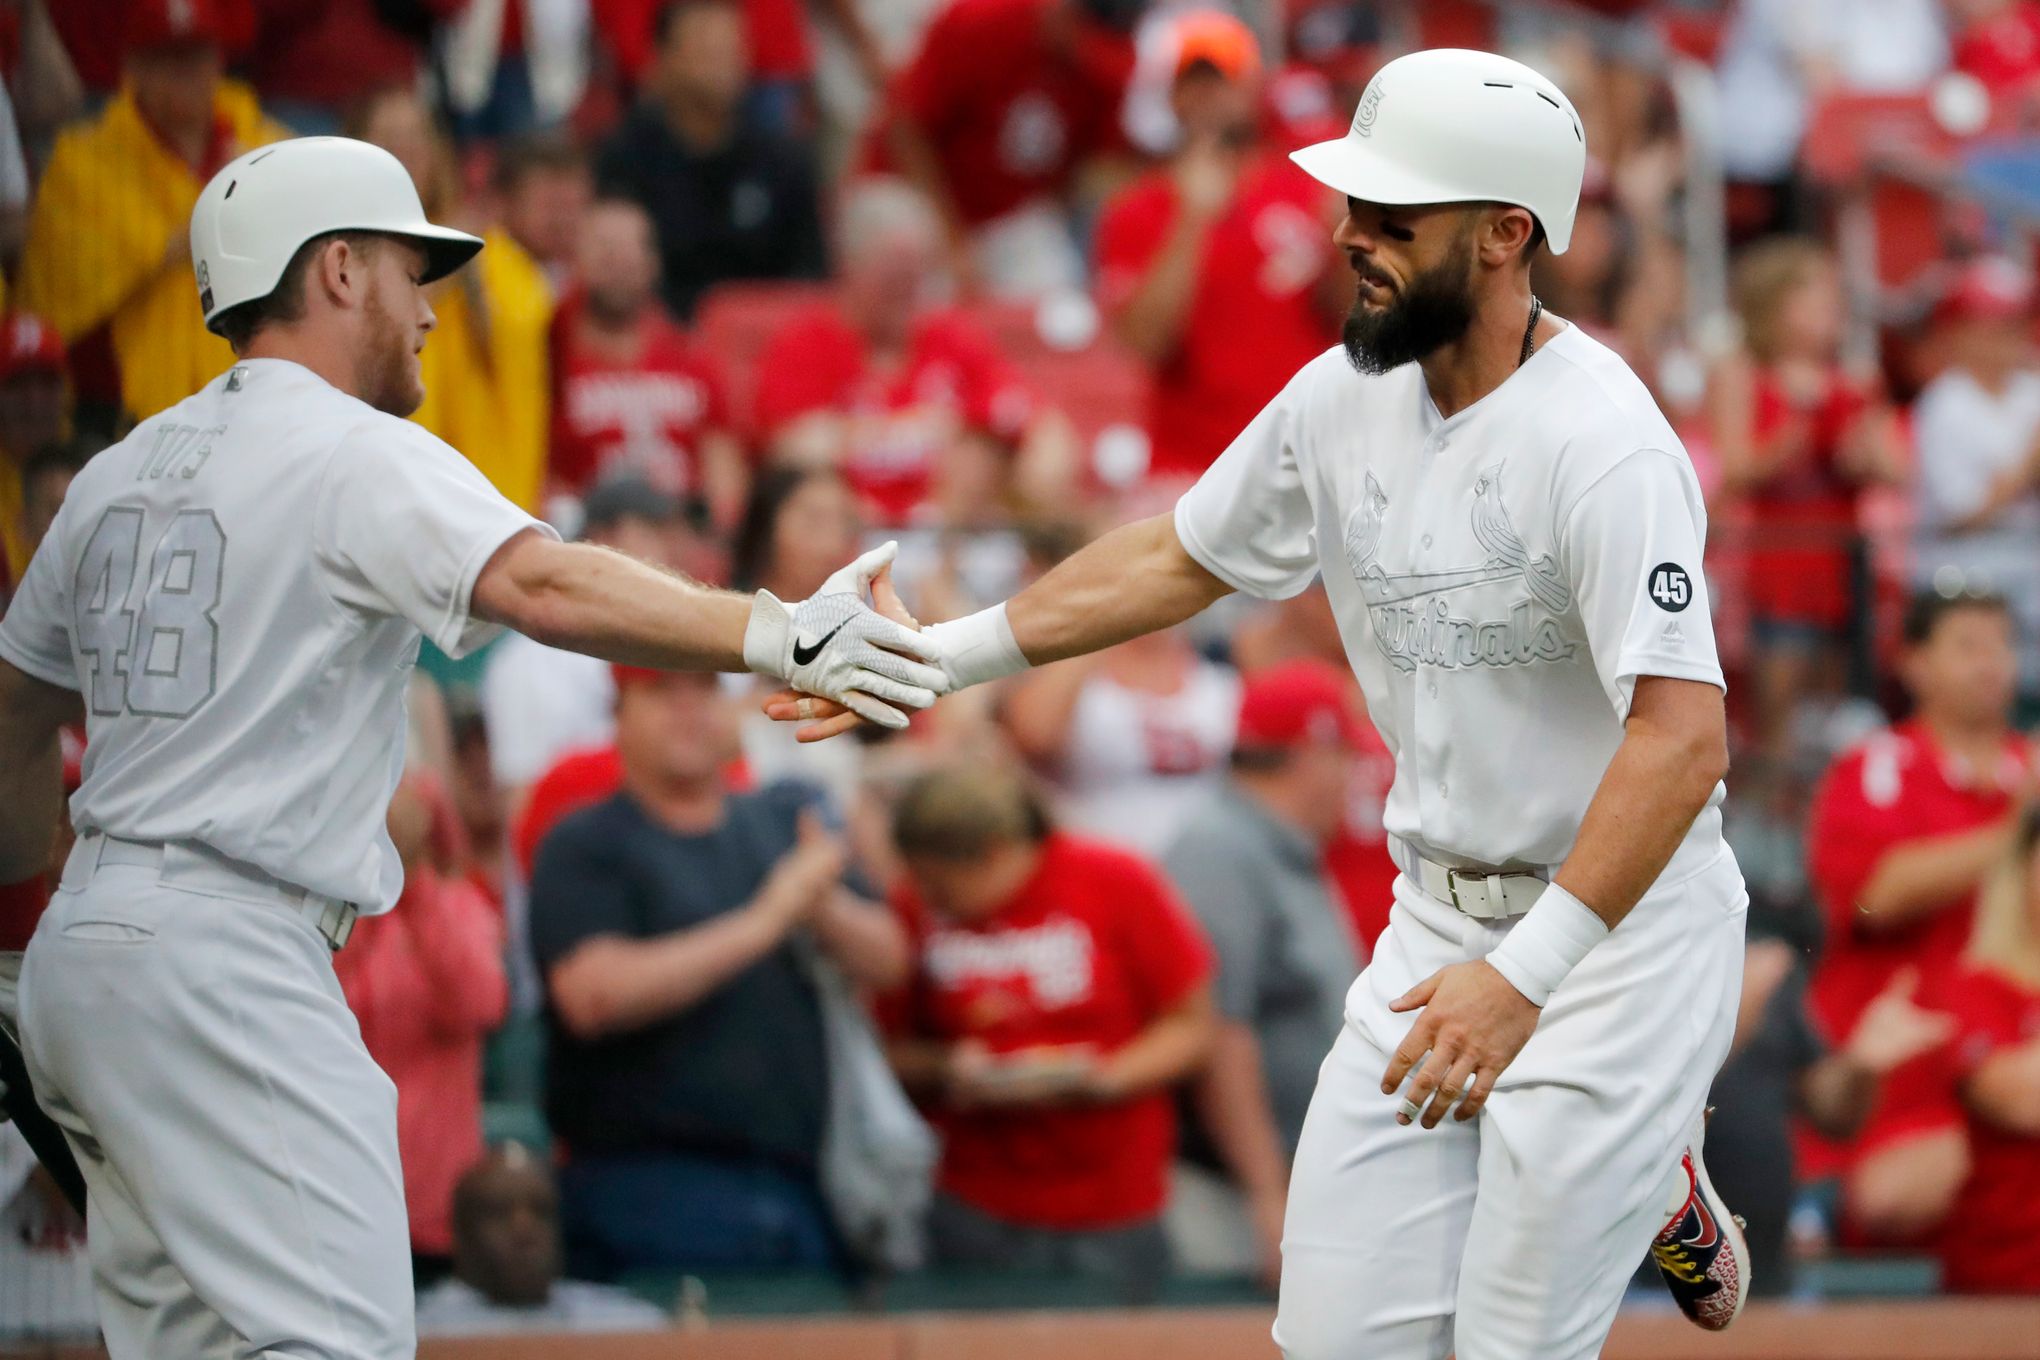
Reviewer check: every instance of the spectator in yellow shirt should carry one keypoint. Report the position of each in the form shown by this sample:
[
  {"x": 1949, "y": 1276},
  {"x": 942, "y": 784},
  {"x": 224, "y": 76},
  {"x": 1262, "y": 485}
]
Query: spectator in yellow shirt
[
  {"x": 108, "y": 256},
  {"x": 487, "y": 375}
]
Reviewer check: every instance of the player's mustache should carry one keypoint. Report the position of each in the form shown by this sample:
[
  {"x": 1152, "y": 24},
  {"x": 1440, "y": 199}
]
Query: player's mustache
[{"x": 1366, "y": 275}]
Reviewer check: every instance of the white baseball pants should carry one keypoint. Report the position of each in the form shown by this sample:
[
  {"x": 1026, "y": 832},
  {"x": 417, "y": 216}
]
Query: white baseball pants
[
  {"x": 238, "y": 1143},
  {"x": 1511, "y": 1237}
]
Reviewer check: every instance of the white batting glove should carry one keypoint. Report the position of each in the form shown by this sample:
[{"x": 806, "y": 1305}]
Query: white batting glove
[{"x": 835, "y": 645}]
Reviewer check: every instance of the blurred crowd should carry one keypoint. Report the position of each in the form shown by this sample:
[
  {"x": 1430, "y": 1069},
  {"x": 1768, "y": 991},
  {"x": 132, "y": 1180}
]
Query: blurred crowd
[{"x": 1040, "y": 987}]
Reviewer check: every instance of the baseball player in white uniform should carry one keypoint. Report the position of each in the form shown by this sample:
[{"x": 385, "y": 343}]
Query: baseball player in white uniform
[
  {"x": 1510, "y": 535},
  {"x": 237, "y": 592}
]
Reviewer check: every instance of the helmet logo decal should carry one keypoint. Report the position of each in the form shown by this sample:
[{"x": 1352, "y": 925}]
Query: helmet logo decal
[
  {"x": 1370, "y": 104},
  {"x": 204, "y": 287}
]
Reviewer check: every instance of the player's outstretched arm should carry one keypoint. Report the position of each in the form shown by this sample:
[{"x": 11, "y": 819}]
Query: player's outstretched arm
[
  {"x": 589, "y": 599},
  {"x": 31, "y": 770},
  {"x": 1134, "y": 580}
]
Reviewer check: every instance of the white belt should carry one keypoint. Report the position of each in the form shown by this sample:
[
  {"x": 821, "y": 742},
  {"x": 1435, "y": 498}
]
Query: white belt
[
  {"x": 203, "y": 869},
  {"x": 1485, "y": 897}
]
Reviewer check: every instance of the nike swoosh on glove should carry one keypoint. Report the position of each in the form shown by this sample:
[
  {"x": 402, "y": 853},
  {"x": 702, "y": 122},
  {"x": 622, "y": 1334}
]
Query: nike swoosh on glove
[{"x": 835, "y": 645}]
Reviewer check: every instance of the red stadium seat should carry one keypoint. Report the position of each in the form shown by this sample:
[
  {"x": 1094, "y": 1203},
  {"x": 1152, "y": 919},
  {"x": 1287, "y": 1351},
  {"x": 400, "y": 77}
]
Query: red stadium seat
[{"x": 734, "y": 322}]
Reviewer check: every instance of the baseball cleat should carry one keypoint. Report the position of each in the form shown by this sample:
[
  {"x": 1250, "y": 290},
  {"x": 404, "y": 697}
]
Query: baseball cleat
[{"x": 1701, "y": 1253}]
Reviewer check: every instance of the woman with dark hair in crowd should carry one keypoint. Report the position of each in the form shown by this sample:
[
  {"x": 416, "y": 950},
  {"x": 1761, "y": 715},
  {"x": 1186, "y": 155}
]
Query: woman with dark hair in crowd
[
  {"x": 1994, "y": 1245},
  {"x": 1059, "y": 990}
]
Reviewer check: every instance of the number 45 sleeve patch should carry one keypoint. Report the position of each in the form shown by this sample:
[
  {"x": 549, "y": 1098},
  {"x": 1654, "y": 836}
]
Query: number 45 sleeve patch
[{"x": 1670, "y": 588}]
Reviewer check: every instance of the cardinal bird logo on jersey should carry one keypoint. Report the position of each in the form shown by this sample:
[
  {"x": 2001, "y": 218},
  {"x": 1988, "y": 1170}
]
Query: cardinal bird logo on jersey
[{"x": 1413, "y": 622}]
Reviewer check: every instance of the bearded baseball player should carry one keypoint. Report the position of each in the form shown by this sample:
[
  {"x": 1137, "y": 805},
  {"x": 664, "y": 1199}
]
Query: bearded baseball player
[
  {"x": 1510, "y": 535},
  {"x": 237, "y": 592}
]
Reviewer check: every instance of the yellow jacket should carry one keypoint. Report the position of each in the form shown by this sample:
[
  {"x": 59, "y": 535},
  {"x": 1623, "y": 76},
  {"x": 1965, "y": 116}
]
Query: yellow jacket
[
  {"x": 487, "y": 369},
  {"x": 110, "y": 203}
]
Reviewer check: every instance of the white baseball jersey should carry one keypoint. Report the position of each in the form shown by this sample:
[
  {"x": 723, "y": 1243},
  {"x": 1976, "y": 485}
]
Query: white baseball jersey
[
  {"x": 1500, "y": 579},
  {"x": 237, "y": 589}
]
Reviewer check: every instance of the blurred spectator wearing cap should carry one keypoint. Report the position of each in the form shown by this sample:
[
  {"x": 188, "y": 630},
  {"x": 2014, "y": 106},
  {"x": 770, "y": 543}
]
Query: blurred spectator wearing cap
[
  {"x": 1130, "y": 738},
  {"x": 1250, "y": 861},
  {"x": 108, "y": 256},
  {"x": 664, "y": 921},
  {"x": 544, "y": 184},
  {"x": 32, "y": 417},
  {"x": 487, "y": 370},
  {"x": 314, "y": 62},
  {"x": 1976, "y": 429},
  {"x": 1228, "y": 239},
  {"x": 916, "y": 406},
  {"x": 426, "y": 984},
  {"x": 540, "y": 702},
  {"x": 1059, "y": 990},
  {"x": 1904, "y": 829},
  {"x": 637, "y": 397},
  {"x": 730, "y": 198},
  {"x": 995, "y": 118},
  {"x": 1995, "y": 1000},
  {"x": 1798, "y": 438},
  {"x": 507, "y": 1262}
]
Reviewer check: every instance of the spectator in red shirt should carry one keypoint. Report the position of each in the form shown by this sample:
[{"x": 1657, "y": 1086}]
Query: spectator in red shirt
[
  {"x": 924, "y": 416},
  {"x": 1005, "y": 102},
  {"x": 637, "y": 399},
  {"x": 1228, "y": 239},
  {"x": 1798, "y": 438},
  {"x": 1905, "y": 827},
  {"x": 312, "y": 63},
  {"x": 427, "y": 985},
  {"x": 1059, "y": 990},
  {"x": 1993, "y": 1245}
]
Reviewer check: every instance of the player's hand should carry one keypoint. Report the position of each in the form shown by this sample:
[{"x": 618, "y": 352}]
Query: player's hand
[
  {"x": 1473, "y": 1025},
  {"x": 826, "y": 718},
  {"x": 1894, "y": 1030},
  {"x": 834, "y": 646}
]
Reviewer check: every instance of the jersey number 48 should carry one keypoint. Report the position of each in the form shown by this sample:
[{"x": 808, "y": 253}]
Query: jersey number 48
[{"x": 150, "y": 639}]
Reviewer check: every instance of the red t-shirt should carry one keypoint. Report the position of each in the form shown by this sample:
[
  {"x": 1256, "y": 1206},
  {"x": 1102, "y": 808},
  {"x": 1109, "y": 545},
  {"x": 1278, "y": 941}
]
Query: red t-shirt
[
  {"x": 1804, "y": 515},
  {"x": 1894, "y": 788},
  {"x": 951, "y": 379},
  {"x": 1255, "y": 279},
  {"x": 21, "y": 906},
  {"x": 1010, "y": 117},
  {"x": 775, "y": 32},
  {"x": 641, "y": 418},
  {"x": 1092, "y": 948},
  {"x": 577, "y": 779},
  {"x": 1993, "y": 1243},
  {"x": 1357, "y": 856}
]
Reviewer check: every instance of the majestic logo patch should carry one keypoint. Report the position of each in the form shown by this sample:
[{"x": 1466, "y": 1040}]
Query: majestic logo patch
[
  {"x": 1670, "y": 588},
  {"x": 1414, "y": 623},
  {"x": 1370, "y": 105}
]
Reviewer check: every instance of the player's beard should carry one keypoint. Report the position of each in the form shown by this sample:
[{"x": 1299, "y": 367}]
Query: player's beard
[
  {"x": 1430, "y": 311},
  {"x": 389, "y": 378}
]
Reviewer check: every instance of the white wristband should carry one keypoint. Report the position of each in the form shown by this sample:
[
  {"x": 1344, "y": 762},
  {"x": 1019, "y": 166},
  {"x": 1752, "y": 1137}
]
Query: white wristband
[
  {"x": 979, "y": 647},
  {"x": 1547, "y": 944}
]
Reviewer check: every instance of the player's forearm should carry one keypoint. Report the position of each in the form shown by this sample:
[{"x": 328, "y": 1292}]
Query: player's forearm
[
  {"x": 1135, "y": 580},
  {"x": 1923, "y": 877},
  {"x": 1232, "y": 1102},
  {"x": 589, "y": 599},
  {"x": 1168, "y": 1050},
  {"x": 31, "y": 771},
  {"x": 1670, "y": 759}
]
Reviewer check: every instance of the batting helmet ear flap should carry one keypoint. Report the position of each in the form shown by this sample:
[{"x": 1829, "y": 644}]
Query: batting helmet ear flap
[{"x": 253, "y": 215}]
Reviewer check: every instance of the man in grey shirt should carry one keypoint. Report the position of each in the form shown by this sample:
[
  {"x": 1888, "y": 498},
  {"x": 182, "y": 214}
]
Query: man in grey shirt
[{"x": 1250, "y": 862}]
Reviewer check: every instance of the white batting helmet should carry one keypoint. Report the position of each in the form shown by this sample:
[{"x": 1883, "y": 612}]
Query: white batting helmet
[
  {"x": 1456, "y": 126},
  {"x": 256, "y": 212}
]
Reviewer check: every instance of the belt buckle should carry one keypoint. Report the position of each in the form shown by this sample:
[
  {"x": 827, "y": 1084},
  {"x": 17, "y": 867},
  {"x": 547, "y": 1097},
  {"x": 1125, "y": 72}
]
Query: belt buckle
[
  {"x": 336, "y": 923},
  {"x": 1487, "y": 897}
]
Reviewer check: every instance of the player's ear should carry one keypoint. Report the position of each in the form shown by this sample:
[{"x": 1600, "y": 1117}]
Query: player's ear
[
  {"x": 340, "y": 272},
  {"x": 1504, "y": 234}
]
